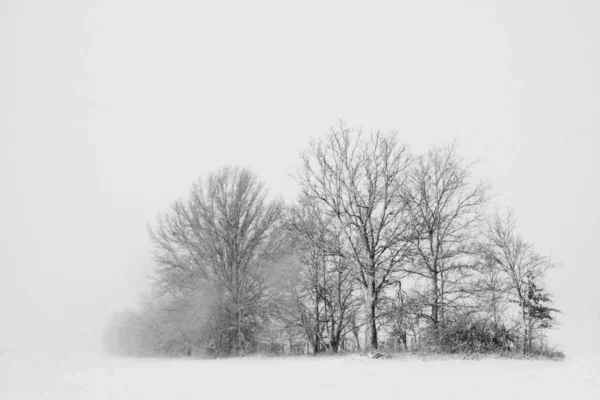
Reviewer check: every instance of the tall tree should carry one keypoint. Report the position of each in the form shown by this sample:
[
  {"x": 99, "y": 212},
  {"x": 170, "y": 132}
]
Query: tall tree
[
  {"x": 358, "y": 183},
  {"x": 446, "y": 209},
  {"x": 223, "y": 235}
]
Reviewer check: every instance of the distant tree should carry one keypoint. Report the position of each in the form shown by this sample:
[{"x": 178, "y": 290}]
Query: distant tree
[
  {"x": 182, "y": 322},
  {"x": 358, "y": 183},
  {"x": 122, "y": 335},
  {"x": 161, "y": 325},
  {"x": 223, "y": 235}
]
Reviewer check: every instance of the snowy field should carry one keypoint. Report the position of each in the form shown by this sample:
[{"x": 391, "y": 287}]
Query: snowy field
[{"x": 349, "y": 377}]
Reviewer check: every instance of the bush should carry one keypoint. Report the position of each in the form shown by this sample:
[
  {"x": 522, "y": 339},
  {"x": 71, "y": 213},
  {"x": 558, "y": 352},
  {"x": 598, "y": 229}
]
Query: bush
[{"x": 471, "y": 337}]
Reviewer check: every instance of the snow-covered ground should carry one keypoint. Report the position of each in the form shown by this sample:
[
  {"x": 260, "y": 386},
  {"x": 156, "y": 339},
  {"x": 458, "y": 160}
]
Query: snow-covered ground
[{"x": 41, "y": 376}]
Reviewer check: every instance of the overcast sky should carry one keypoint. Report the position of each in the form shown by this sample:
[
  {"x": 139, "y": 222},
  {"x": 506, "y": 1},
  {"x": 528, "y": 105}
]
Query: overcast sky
[{"x": 109, "y": 110}]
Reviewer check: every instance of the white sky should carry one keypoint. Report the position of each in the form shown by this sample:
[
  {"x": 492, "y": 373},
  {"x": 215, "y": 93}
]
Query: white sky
[{"x": 110, "y": 109}]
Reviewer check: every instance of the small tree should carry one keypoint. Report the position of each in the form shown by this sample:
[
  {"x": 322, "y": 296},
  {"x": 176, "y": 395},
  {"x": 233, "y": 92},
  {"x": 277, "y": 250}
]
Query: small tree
[
  {"x": 522, "y": 267},
  {"x": 539, "y": 314},
  {"x": 325, "y": 293}
]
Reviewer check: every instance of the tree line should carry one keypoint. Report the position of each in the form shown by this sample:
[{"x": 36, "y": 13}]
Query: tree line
[{"x": 382, "y": 250}]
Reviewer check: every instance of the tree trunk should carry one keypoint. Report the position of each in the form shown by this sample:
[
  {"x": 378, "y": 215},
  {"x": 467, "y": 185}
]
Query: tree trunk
[
  {"x": 370, "y": 305},
  {"x": 355, "y": 332},
  {"x": 441, "y": 318},
  {"x": 435, "y": 305},
  {"x": 239, "y": 339},
  {"x": 315, "y": 343},
  {"x": 524, "y": 328}
]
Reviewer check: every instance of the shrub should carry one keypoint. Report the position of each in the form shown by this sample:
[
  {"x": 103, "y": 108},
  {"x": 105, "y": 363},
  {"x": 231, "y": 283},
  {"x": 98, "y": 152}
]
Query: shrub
[{"x": 475, "y": 336}]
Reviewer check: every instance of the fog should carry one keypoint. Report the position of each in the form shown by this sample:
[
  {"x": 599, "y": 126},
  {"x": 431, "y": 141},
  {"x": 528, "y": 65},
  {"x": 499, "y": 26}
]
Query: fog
[{"x": 109, "y": 110}]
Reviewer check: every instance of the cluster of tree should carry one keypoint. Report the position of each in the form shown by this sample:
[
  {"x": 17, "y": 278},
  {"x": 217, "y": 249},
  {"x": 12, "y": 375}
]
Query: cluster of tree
[{"x": 382, "y": 249}]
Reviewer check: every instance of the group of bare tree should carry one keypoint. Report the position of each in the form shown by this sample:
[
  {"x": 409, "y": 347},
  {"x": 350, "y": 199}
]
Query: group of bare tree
[{"x": 381, "y": 244}]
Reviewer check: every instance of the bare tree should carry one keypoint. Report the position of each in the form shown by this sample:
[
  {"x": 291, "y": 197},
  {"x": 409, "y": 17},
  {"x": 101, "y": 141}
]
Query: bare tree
[
  {"x": 223, "y": 235},
  {"x": 516, "y": 259},
  {"x": 446, "y": 210},
  {"x": 394, "y": 317},
  {"x": 325, "y": 294},
  {"x": 358, "y": 183},
  {"x": 489, "y": 292}
]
